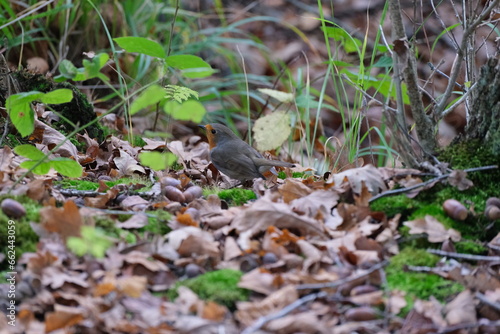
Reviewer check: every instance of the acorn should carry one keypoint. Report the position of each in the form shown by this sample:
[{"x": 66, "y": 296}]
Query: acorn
[
  {"x": 192, "y": 193},
  {"x": 13, "y": 208},
  {"x": 454, "y": 209},
  {"x": 174, "y": 194},
  {"x": 362, "y": 313},
  {"x": 492, "y": 210},
  {"x": 169, "y": 181}
]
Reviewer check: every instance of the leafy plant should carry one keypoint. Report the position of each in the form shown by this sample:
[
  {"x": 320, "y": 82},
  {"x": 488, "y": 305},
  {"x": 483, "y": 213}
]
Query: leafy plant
[
  {"x": 40, "y": 164},
  {"x": 93, "y": 241},
  {"x": 21, "y": 113}
]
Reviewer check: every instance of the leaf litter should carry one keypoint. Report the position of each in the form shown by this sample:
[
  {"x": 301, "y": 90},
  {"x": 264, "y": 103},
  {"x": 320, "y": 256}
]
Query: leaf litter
[{"x": 298, "y": 237}]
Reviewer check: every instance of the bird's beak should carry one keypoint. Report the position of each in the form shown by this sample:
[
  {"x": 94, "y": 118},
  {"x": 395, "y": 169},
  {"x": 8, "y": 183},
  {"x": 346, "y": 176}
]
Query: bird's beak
[{"x": 202, "y": 126}]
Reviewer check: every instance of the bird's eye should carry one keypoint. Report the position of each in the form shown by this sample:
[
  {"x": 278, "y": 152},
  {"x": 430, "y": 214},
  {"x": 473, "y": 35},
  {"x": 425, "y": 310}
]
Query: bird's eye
[{"x": 213, "y": 131}]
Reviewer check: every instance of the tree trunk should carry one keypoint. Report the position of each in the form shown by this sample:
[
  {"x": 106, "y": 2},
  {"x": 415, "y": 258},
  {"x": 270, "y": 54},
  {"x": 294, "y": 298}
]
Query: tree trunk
[{"x": 484, "y": 120}]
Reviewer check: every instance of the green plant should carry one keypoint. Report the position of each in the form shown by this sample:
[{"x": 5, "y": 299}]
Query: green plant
[
  {"x": 22, "y": 115},
  {"x": 93, "y": 241},
  {"x": 40, "y": 164}
]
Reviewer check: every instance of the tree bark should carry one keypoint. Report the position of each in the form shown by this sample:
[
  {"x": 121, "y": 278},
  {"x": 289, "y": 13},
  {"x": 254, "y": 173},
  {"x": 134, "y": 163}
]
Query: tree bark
[{"x": 484, "y": 121}]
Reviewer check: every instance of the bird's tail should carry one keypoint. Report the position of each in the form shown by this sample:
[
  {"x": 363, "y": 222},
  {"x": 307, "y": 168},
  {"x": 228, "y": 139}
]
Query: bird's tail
[{"x": 265, "y": 162}]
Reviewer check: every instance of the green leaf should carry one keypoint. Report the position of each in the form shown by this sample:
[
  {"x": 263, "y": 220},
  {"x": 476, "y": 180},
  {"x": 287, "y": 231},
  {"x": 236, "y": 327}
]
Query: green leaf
[
  {"x": 157, "y": 160},
  {"x": 57, "y": 96},
  {"x": 29, "y": 151},
  {"x": 191, "y": 66},
  {"x": 23, "y": 98},
  {"x": 92, "y": 241},
  {"x": 179, "y": 93},
  {"x": 278, "y": 95},
  {"x": 41, "y": 169},
  {"x": 141, "y": 45},
  {"x": 189, "y": 110},
  {"x": 70, "y": 71},
  {"x": 272, "y": 131},
  {"x": 350, "y": 43},
  {"x": 93, "y": 66},
  {"x": 384, "y": 61},
  {"x": 77, "y": 245},
  {"x": 67, "y": 69},
  {"x": 150, "y": 96},
  {"x": 22, "y": 115},
  {"x": 67, "y": 167}
]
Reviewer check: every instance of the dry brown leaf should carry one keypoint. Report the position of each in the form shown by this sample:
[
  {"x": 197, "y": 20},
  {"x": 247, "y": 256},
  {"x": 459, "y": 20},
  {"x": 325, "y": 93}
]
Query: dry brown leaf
[
  {"x": 305, "y": 322},
  {"x": 316, "y": 205},
  {"x": 134, "y": 203},
  {"x": 134, "y": 222},
  {"x": 265, "y": 213},
  {"x": 101, "y": 201},
  {"x": 311, "y": 253},
  {"x": 63, "y": 317},
  {"x": 51, "y": 138},
  {"x": 231, "y": 249},
  {"x": 65, "y": 221},
  {"x": 195, "y": 245},
  {"x": 132, "y": 286},
  {"x": 127, "y": 165},
  {"x": 458, "y": 178},
  {"x": 431, "y": 309},
  {"x": 396, "y": 301},
  {"x": 461, "y": 309},
  {"x": 371, "y": 298},
  {"x": 369, "y": 175},
  {"x": 213, "y": 311},
  {"x": 248, "y": 312},
  {"x": 152, "y": 144},
  {"x": 140, "y": 258},
  {"x": 480, "y": 279},
  {"x": 258, "y": 281},
  {"x": 435, "y": 231},
  {"x": 293, "y": 189}
]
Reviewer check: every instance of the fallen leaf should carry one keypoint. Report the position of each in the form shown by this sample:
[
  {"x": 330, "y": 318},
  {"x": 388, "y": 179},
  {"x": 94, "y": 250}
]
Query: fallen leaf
[
  {"x": 248, "y": 312},
  {"x": 461, "y": 309},
  {"x": 369, "y": 175},
  {"x": 65, "y": 221},
  {"x": 435, "y": 231}
]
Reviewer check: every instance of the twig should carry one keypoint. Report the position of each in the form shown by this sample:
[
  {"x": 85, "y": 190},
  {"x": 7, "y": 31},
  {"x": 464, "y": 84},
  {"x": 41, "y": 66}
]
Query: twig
[
  {"x": 345, "y": 280},
  {"x": 488, "y": 302},
  {"x": 423, "y": 184},
  {"x": 460, "y": 53},
  {"x": 460, "y": 100},
  {"x": 464, "y": 256},
  {"x": 284, "y": 311},
  {"x": 457, "y": 328}
]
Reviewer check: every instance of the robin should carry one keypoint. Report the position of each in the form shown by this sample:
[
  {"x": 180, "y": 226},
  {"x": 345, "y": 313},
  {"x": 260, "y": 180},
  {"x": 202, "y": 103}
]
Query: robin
[{"x": 234, "y": 157}]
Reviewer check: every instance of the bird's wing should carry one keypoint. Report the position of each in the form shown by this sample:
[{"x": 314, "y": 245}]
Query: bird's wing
[{"x": 235, "y": 166}]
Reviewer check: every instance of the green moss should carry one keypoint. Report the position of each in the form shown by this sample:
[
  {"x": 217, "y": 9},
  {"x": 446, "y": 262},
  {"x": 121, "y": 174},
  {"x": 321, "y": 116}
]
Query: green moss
[
  {"x": 470, "y": 247},
  {"x": 108, "y": 225},
  {"x": 77, "y": 184},
  {"x": 298, "y": 175},
  {"x": 237, "y": 196},
  {"x": 418, "y": 284},
  {"x": 393, "y": 205},
  {"x": 157, "y": 225},
  {"x": 471, "y": 154},
  {"x": 138, "y": 142},
  {"x": 92, "y": 186},
  {"x": 220, "y": 286},
  {"x": 26, "y": 238}
]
